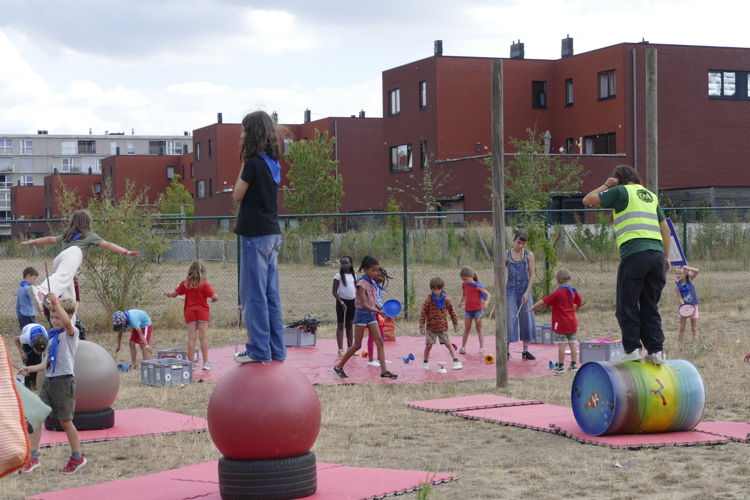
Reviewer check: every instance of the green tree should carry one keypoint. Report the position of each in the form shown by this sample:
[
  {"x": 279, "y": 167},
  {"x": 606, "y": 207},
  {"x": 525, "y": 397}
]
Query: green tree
[
  {"x": 314, "y": 185},
  {"x": 426, "y": 191},
  {"x": 118, "y": 281},
  {"x": 532, "y": 178},
  {"x": 176, "y": 200}
]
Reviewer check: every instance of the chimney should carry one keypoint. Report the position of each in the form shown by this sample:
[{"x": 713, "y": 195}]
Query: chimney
[
  {"x": 307, "y": 116},
  {"x": 567, "y": 47},
  {"x": 185, "y": 133},
  {"x": 516, "y": 50},
  {"x": 218, "y": 118},
  {"x": 275, "y": 117},
  {"x": 438, "y": 48},
  {"x": 40, "y": 132},
  {"x": 361, "y": 113}
]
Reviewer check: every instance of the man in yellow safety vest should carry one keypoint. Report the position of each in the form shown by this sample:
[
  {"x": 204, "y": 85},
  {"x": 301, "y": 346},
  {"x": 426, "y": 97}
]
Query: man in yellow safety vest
[{"x": 644, "y": 240}]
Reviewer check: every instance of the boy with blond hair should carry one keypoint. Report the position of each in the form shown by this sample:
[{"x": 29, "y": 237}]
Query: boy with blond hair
[
  {"x": 59, "y": 386},
  {"x": 433, "y": 324},
  {"x": 564, "y": 301}
]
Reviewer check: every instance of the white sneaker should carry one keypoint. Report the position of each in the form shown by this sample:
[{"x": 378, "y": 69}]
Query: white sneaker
[
  {"x": 206, "y": 365},
  {"x": 373, "y": 363},
  {"x": 632, "y": 356},
  {"x": 425, "y": 366},
  {"x": 244, "y": 357},
  {"x": 457, "y": 365},
  {"x": 656, "y": 358}
]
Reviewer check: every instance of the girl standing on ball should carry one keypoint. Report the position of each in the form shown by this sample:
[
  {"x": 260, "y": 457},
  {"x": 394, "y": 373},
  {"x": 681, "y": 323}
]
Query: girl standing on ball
[
  {"x": 364, "y": 317},
  {"x": 344, "y": 290}
]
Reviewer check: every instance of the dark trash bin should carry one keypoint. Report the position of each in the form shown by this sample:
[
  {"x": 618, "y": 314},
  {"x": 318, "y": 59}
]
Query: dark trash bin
[{"x": 321, "y": 252}]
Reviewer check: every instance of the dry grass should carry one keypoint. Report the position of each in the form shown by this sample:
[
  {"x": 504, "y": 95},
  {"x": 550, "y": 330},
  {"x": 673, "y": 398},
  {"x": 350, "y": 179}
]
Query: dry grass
[{"x": 366, "y": 425}]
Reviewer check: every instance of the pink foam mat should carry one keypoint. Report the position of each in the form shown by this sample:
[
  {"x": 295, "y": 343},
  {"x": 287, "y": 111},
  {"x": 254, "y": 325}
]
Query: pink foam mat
[
  {"x": 316, "y": 362},
  {"x": 335, "y": 482},
  {"x": 560, "y": 420},
  {"x": 736, "y": 431},
  {"x": 473, "y": 402},
  {"x": 133, "y": 422}
]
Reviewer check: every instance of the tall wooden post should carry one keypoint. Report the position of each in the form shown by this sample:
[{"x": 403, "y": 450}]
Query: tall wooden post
[
  {"x": 498, "y": 222},
  {"x": 652, "y": 122}
]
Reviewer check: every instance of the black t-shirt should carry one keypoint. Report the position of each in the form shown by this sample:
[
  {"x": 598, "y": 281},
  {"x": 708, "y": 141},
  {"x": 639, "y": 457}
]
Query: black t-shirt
[{"x": 257, "y": 215}]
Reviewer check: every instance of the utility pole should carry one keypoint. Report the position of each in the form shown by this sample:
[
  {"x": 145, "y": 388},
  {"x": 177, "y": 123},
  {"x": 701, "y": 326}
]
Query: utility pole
[{"x": 498, "y": 222}]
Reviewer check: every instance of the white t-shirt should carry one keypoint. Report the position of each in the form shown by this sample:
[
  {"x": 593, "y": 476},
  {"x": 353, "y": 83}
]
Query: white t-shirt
[
  {"x": 25, "y": 337},
  {"x": 348, "y": 291}
]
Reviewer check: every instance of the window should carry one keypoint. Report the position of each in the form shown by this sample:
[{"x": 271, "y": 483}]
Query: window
[
  {"x": 200, "y": 189},
  {"x": 170, "y": 172},
  {"x": 97, "y": 188},
  {"x": 539, "y": 95},
  {"x": 422, "y": 94},
  {"x": 6, "y": 146},
  {"x": 600, "y": 144},
  {"x": 86, "y": 147},
  {"x": 89, "y": 165},
  {"x": 287, "y": 145},
  {"x": 401, "y": 158},
  {"x": 26, "y": 180},
  {"x": 25, "y": 165},
  {"x": 423, "y": 154},
  {"x": 68, "y": 165},
  {"x": 157, "y": 147},
  {"x": 394, "y": 101},
  {"x": 174, "y": 147},
  {"x": 6, "y": 181},
  {"x": 197, "y": 151},
  {"x": 113, "y": 148},
  {"x": 6, "y": 164},
  {"x": 4, "y": 200},
  {"x": 729, "y": 84},
  {"x": 570, "y": 145},
  {"x": 131, "y": 148},
  {"x": 210, "y": 148},
  {"x": 27, "y": 146},
  {"x": 569, "y": 92},
  {"x": 607, "y": 84},
  {"x": 69, "y": 147}
]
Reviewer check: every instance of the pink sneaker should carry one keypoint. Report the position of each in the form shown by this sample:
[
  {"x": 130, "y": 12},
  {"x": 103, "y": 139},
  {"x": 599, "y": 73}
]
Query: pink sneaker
[
  {"x": 29, "y": 466},
  {"x": 74, "y": 465}
]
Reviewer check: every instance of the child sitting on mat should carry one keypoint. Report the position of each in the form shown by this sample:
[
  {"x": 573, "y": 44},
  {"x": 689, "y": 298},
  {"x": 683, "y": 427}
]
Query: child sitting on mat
[
  {"x": 58, "y": 388},
  {"x": 141, "y": 335},
  {"x": 434, "y": 326},
  {"x": 564, "y": 301},
  {"x": 686, "y": 294}
]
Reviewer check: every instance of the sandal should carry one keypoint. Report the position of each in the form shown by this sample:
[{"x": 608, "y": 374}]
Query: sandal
[{"x": 387, "y": 374}]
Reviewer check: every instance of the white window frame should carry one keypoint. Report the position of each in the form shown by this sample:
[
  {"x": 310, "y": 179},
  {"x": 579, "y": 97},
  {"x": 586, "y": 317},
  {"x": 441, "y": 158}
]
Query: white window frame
[
  {"x": 6, "y": 146},
  {"x": 394, "y": 101},
  {"x": 200, "y": 189},
  {"x": 27, "y": 146},
  {"x": 131, "y": 148},
  {"x": 27, "y": 180},
  {"x": 69, "y": 147},
  {"x": 113, "y": 148},
  {"x": 422, "y": 94},
  {"x": 399, "y": 152},
  {"x": 7, "y": 181},
  {"x": 68, "y": 166},
  {"x": 8, "y": 165}
]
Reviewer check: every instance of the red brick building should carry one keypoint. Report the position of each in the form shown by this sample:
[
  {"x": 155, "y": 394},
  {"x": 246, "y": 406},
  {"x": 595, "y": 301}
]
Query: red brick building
[{"x": 149, "y": 174}]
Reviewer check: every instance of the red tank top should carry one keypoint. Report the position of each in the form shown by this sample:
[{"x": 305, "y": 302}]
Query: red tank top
[{"x": 472, "y": 299}]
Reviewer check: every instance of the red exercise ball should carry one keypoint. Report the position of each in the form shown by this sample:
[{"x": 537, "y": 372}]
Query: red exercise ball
[{"x": 263, "y": 411}]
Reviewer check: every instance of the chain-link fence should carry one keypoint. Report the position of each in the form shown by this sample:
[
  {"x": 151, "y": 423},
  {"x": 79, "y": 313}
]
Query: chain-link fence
[{"x": 413, "y": 247}]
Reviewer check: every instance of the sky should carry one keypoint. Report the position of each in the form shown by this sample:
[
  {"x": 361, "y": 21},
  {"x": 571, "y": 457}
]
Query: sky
[{"x": 161, "y": 68}]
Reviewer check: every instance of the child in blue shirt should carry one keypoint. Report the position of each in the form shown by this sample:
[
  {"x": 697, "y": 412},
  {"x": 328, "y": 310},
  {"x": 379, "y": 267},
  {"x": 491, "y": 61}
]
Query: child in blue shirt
[
  {"x": 686, "y": 294},
  {"x": 140, "y": 322},
  {"x": 24, "y": 306}
]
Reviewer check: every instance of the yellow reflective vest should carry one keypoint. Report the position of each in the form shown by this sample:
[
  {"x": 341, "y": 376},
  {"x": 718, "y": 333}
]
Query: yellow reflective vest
[{"x": 639, "y": 219}]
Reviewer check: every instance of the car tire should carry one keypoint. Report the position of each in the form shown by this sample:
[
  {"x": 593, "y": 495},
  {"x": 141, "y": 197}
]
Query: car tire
[
  {"x": 277, "y": 479},
  {"x": 85, "y": 421}
]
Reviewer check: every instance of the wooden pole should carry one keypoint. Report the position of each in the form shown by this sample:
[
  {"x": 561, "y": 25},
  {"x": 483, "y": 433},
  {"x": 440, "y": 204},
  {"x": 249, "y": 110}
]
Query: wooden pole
[
  {"x": 498, "y": 222},
  {"x": 652, "y": 123}
]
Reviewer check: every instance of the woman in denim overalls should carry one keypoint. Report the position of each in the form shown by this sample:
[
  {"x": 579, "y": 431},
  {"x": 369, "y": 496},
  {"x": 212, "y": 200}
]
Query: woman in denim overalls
[{"x": 520, "y": 263}]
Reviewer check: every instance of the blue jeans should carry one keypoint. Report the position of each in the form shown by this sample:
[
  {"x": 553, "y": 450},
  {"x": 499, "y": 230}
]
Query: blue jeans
[
  {"x": 259, "y": 294},
  {"x": 519, "y": 323}
]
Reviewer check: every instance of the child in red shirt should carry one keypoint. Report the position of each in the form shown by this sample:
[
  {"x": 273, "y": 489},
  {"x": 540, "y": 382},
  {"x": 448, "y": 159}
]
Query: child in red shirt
[
  {"x": 197, "y": 291},
  {"x": 564, "y": 301}
]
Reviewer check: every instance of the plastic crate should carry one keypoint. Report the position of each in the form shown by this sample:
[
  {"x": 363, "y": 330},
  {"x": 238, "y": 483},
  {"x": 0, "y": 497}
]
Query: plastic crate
[
  {"x": 166, "y": 372},
  {"x": 297, "y": 337},
  {"x": 178, "y": 352},
  {"x": 593, "y": 350},
  {"x": 543, "y": 333}
]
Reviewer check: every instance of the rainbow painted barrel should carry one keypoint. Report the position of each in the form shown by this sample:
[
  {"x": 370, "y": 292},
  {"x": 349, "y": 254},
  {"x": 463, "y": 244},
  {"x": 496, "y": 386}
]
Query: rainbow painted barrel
[{"x": 626, "y": 397}]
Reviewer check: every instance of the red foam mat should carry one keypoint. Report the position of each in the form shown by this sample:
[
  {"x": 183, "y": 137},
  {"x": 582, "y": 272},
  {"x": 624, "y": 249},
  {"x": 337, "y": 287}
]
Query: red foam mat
[
  {"x": 335, "y": 482},
  {"x": 473, "y": 402},
  {"x": 133, "y": 422},
  {"x": 560, "y": 420},
  {"x": 316, "y": 362},
  {"x": 736, "y": 431}
]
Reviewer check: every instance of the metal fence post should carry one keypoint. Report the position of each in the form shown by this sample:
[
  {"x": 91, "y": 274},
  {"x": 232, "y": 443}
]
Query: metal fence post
[
  {"x": 404, "y": 247},
  {"x": 685, "y": 243}
]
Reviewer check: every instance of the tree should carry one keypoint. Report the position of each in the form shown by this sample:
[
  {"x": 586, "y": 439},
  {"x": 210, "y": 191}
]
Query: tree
[
  {"x": 119, "y": 282},
  {"x": 175, "y": 200},
  {"x": 532, "y": 178},
  {"x": 314, "y": 185},
  {"x": 426, "y": 191}
]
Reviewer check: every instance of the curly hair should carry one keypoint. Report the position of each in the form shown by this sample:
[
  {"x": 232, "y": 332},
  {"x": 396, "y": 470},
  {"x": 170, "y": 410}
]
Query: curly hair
[{"x": 258, "y": 136}]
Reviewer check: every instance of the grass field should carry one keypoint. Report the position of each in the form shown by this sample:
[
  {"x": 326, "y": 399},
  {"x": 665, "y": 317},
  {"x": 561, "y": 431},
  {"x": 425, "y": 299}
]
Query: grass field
[{"x": 366, "y": 425}]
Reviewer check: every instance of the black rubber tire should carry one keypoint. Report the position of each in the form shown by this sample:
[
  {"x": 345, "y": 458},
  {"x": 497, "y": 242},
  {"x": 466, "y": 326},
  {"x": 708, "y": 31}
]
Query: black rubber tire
[
  {"x": 85, "y": 421},
  {"x": 279, "y": 479}
]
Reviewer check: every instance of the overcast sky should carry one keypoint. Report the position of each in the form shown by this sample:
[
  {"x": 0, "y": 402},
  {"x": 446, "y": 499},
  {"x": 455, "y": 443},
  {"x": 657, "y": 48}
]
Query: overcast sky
[{"x": 168, "y": 66}]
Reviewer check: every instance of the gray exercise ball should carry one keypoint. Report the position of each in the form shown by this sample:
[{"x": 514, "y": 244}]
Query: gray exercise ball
[{"x": 97, "y": 378}]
